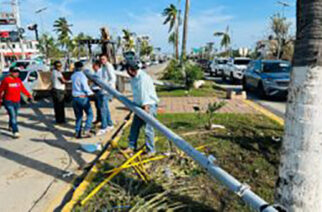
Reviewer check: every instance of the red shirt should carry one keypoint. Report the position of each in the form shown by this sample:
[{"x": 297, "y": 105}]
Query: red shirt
[{"x": 12, "y": 88}]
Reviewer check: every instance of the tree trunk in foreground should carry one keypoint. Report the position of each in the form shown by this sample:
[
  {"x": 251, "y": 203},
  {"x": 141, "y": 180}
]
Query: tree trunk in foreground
[
  {"x": 177, "y": 37},
  {"x": 299, "y": 187},
  {"x": 185, "y": 32},
  {"x": 178, "y": 29}
]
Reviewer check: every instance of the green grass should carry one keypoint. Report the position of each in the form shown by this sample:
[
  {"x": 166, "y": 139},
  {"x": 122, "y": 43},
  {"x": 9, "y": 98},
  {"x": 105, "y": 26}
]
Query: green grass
[
  {"x": 245, "y": 149},
  {"x": 209, "y": 90}
]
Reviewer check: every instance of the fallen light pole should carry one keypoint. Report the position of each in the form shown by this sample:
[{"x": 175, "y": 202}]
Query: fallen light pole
[{"x": 209, "y": 163}]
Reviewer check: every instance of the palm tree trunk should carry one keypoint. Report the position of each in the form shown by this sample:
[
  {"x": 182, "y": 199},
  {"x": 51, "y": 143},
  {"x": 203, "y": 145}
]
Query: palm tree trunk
[
  {"x": 299, "y": 184},
  {"x": 185, "y": 32},
  {"x": 177, "y": 38},
  {"x": 178, "y": 30}
]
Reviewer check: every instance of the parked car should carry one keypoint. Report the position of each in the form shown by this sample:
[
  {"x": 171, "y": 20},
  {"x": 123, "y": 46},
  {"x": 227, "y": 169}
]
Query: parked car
[
  {"x": 29, "y": 65},
  {"x": 268, "y": 77},
  {"x": 235, "y": 68},
  {"x": 155, "y": 62},
  {"x": 204, "y": 64},
  {"x": 29, "y": 80},
  {"x": 217, "y": 66}
]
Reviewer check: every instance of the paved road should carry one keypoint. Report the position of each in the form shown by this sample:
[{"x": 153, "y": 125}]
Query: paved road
[
  {"x": 33, "y": 167},
  {"x": 277, "y": 106}
]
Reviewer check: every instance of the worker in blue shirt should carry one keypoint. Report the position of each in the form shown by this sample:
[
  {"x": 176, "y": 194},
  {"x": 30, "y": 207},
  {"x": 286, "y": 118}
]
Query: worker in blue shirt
[
  {"x": 144, "y": 96},
  {"x": 81, "y": 103}
]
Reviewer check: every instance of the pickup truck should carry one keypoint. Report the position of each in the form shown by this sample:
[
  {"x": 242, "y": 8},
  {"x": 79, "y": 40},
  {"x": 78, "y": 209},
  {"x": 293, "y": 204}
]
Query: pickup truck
[
  {"x": 235, "y": 69},
  {"x": 217, "y": 66}
]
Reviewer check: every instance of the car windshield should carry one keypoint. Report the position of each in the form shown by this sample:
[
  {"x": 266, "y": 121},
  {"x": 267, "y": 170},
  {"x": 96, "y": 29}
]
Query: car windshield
[
  {"x": 241, "y": 62},
  {"x": 21, "y": 64},
  {"x": 276, "y": 67},
  {"x": 222, "y": 62}
]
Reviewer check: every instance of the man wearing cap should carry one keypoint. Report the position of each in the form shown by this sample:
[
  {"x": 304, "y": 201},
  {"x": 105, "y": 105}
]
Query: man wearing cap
[
  {"x": 81, "y": 103},
  {"x": 10, "y": 90},
  {"x": 144, "y": 96}
]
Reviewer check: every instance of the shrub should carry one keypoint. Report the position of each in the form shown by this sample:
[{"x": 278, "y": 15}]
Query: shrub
[
  {"x": 173, "y": 72},
  {"x": 193, "y": 73}
]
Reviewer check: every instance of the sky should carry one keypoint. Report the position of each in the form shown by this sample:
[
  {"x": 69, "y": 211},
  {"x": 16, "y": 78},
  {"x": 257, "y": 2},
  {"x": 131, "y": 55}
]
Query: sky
[{"x": 248, "y": 20}]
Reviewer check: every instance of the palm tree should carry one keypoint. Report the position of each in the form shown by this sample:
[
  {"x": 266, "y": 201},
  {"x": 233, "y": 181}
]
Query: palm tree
[
  {"x": 185, "y": 32},
  {"x": 280, "y": 27},
  {"x": 76, "y": 49},
  {"x": 172, "y": 40},
  {"x": 63, "y": 30},
  {"x": 225, "y": 41},
  {"x": 173, "y": 19},
  {"x": 300, "y": 176},
  {"x": 146, "y": 49},
  {"x": 48, "y": 46},
  {"x": 129, "y": 44}
]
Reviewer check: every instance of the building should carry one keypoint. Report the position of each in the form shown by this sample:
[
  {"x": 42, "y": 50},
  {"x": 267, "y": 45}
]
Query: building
[{"x": 12, "y": 49}]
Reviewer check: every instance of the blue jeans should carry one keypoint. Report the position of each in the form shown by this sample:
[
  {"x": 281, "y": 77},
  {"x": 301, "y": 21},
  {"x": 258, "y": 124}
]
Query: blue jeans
[
  {"x": 103, "y": 105},
  {"x": 98, "y": 110},
  {"x": 12, "y": 109},
  {"x": 81, "y": 105},
  {"x": 149, "y": 131}
]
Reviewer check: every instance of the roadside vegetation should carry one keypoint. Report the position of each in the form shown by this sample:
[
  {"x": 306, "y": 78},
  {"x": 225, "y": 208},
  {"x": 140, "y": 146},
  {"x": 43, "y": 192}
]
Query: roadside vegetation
[
  {"x": 248, "y": 148},
  {"x": 175, "y": 75},
  {"x": 207, "y": 90}
]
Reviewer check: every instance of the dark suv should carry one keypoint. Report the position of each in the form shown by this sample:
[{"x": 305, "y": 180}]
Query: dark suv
[{"x": 268, "y": 77}]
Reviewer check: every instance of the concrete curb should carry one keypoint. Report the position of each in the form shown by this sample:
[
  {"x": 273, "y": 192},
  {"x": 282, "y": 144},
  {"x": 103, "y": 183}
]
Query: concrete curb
[
  {"x": 80, "y": 190},
  {"x": 265, "y": 112}
]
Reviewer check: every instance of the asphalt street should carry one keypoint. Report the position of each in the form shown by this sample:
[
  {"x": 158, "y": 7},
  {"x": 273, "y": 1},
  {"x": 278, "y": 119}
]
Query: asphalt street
[{"x": 275, "y": 105}]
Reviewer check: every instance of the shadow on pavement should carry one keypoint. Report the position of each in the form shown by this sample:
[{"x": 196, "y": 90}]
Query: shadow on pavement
[
  {"x": 60, "y": 141},
  {"x": 35, "y": 164}
]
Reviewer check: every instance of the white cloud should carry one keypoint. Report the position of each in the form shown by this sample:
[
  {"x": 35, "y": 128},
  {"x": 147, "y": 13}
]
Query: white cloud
[{"x": 204, "y": 24}]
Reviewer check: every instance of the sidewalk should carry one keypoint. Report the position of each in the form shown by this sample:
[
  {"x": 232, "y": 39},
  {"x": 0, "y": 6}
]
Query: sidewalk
[
  {"x": 186, "y": 105},
  {"x": 33, "y": 167}
]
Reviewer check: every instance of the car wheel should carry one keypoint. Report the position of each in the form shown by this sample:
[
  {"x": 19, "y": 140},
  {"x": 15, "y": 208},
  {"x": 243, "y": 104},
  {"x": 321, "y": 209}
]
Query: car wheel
[
  {"x": 216, "y": 73},
  {"x": 245, "y": 87},
  {"x": 223, "y": 77},
  {"x": 261, "y": 91},
  {"x": 232, "y": 78},
  {"x": 34, "y": 95}
]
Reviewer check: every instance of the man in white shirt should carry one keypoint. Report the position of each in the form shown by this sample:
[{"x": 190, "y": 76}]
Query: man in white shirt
[
  {"x": 107, "y": 74},
  {"x": 58, "y": 92},
  {"x": 144, "y": 96}
]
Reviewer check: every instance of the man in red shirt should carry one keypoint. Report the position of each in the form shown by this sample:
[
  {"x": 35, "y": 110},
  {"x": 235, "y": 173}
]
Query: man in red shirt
[{"x": 10, "y": 91}]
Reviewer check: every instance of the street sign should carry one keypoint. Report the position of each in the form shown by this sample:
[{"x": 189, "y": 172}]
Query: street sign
[{"x": 7, "y": 19}]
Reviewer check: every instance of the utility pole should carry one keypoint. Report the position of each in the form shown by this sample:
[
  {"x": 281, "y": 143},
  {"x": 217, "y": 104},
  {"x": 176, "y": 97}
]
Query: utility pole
[
  {"x": 39, "y": 12},
  {"x": 15, "y": 10}
]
